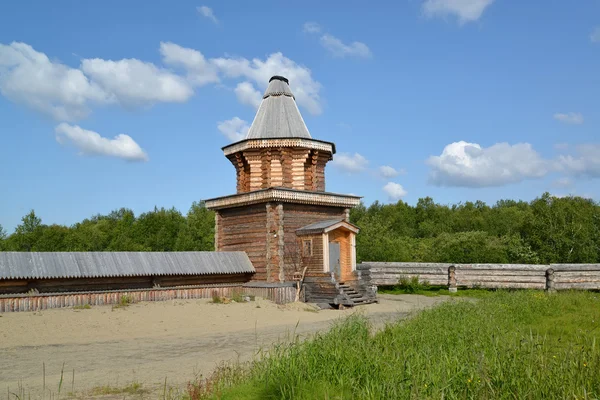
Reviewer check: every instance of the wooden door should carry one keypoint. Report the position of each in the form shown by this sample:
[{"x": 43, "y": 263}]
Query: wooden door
[{"x": 334, "y": 259}]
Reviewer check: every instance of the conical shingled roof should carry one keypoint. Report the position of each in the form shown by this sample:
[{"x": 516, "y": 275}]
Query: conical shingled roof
[{"x": 278, "y": 115}]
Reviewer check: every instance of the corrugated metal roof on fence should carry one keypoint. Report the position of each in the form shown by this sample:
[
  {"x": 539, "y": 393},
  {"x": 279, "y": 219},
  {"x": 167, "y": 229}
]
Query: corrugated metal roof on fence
[{"x": 37, "y": 265}]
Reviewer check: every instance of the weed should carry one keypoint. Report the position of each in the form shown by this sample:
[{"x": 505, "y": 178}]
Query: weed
[
  {"x": 82, "y": 307},
  {"x": 131, "y": 389},
  {"x": 519, "y": 344},
  {"x": 124, "y": 301}
]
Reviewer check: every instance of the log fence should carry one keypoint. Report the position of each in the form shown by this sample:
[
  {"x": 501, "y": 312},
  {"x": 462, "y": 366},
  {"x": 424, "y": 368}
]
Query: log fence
[{"x": 550, "y": 277}]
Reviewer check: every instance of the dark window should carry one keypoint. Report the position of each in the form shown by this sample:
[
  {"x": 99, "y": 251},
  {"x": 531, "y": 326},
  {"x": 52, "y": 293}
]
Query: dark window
[{"x": 307, "y": 248}]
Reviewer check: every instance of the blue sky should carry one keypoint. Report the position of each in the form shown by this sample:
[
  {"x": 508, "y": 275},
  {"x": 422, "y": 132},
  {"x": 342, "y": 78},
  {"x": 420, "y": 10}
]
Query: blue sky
[{"x": 126, "y": 104}]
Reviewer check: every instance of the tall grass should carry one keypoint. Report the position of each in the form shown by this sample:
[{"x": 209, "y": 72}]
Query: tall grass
[{"x": 508, "y": 345}]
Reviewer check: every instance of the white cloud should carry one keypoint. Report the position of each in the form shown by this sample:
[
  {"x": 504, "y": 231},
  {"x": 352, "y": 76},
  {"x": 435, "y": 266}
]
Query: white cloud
[
  {"x": 585, "y": 162},
  {"x": 350, "y": 163},
  {"x": 29, "y": 77},
  {"x": 563, "y": 182},
  {"x": 311, "y": 27},
  {"x": 569, "y": 118},
  {"x": 305, "y": 88},
  {"x": 207, "y": 12},
  {"x": 91, "y": 143},
  {"x": 247, "y": 94},
  {"x": 134, "y": 82},
  {"x": 395, "y": 191},
  {"x": 469, "y": 165},
  {"x": 464, "y": 10},
  {"x": 234, "y": 129},
  {"x": 389, "y": 172},
  {"x": 339, "y": 49},
  {"x": 595, "y": 35},
  {"x": 199, "y": 70}
]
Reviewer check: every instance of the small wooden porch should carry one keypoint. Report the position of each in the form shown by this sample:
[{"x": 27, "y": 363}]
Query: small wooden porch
[{"x": 329, "y": 254}]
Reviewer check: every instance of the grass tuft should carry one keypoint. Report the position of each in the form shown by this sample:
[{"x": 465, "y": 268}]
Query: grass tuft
[{"x": 523, "y": 344}]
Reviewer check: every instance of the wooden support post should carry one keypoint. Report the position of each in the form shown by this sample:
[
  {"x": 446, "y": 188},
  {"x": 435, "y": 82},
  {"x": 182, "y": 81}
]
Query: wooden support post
[
  {"x": 550, "y": 280},
  {"x": 452, "y": 279}
]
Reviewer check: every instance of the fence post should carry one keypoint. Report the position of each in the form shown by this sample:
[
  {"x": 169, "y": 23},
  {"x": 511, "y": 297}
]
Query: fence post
[
  {"x": 452, "y": 279},
  {"x": 550, "y": 280}
]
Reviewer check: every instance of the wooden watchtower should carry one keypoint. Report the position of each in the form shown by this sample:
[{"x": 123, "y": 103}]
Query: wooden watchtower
[{"x": 281, "y": 215}]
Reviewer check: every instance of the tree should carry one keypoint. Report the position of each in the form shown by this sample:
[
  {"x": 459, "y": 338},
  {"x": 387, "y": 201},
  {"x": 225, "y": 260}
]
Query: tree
[
  {"x": 198, "y": 232},
  {"x": 2, "y": 237},
  {"x": 27, "y": 233}
]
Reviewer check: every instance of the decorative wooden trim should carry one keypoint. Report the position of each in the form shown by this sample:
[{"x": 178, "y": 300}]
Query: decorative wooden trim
[
  {"x": 291, "y": 142},
  {"x": 353, "y": 251},
  {"x": 326, "y": 252},
  {"x": 285, "y": 196}
]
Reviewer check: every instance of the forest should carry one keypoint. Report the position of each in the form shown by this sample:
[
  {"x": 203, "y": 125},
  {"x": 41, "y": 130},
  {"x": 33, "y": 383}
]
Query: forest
[{"x": 545, "y": 230}]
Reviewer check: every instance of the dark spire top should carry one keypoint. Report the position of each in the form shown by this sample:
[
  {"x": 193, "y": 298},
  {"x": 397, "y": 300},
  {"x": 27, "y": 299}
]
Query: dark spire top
[{"x": 279, "y": 78}]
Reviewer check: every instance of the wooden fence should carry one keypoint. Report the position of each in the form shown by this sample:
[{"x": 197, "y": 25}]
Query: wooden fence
[
  {"x": 278, "y": 293},
  {"x": 492, "y": 276}
]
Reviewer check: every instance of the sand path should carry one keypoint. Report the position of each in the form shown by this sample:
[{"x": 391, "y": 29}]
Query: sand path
[{"x": 148, "y": 342}]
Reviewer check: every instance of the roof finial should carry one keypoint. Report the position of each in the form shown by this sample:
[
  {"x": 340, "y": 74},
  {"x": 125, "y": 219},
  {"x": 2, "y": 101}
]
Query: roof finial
[{"x": 279, "y": 78}]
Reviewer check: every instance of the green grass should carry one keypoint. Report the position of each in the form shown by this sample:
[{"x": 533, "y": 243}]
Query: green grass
[
  {"x": 412, "y": 285},
  {"x": 433, "y": 291},
  {"x": 508, "y": 345},
  {"x": 82, "y": 307}
]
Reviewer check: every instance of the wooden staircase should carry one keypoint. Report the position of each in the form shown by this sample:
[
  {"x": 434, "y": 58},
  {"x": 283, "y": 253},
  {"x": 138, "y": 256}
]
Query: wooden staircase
[{"x": 324, "y": 288}]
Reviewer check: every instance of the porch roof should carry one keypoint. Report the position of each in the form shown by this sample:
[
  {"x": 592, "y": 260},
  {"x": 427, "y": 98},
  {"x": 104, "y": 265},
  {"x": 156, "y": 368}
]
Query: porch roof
[{"x": 327, "y": 226}]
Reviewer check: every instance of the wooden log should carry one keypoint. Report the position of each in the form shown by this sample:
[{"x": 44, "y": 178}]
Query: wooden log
[
  {"x": 568, "y": 274},
  {"x": 493, "y": 278},
  {"x": 575, "y": 267},
  {"x": 502, "y": 272},
  {"x": 502, "y": 285},
  {"x": 522, "y": 267},
  {"x": 581, "y": 285},
  {"x": 576, "y": 279}
]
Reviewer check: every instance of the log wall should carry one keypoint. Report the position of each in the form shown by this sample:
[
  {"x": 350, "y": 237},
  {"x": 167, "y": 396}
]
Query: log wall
[
  {"x": 492, "y": 276},
  {"x": 245, "y": 229},
  {"x": 279, "y": 294}
]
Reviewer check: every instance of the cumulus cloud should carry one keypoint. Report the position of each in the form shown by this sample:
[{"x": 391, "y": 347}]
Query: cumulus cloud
[
  {"x": 305, "y": 88},
  {"x": 595, "y": 35},
  {"x": 350, "y": 163},
  {"x": 92, "y": 143},
  {"x": 199, "y": 70},
  {"x": 563, "y": 182},
  {"x": 395, "y": 191},
  {"x": 65, "y": 93},
  {"x": 247, "y": 94},
  {"x": 389, "y": 172},
  {"x": 464, "y": 10},
  {"x": 339, "y": 49},
  {"x": 569, "y": 118},
  {"x": 207, "y": 12},
  {"x": 585, "y": 161},
  {"x": 234, "y": 129},
  {"x": 470, "y": 165},
  {"x": 29, "y": 77},
  {"x": 133, "y": 82},
  {"x": 311, "y": 27}
]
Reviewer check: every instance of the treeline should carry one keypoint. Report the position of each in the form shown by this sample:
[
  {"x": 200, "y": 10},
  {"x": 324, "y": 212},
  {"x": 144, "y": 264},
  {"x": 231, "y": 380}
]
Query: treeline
[
  {"x": 158, "y": 230},
  {"x": 545, "y": 230}
]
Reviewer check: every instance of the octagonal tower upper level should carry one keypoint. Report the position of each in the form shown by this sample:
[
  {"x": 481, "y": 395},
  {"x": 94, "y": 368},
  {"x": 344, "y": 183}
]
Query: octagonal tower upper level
[{"x": 278, "y": 150}]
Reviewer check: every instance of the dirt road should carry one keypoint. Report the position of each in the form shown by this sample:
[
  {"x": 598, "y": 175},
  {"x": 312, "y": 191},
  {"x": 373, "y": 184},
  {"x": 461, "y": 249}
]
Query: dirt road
[{"x": 148, "y": 342}]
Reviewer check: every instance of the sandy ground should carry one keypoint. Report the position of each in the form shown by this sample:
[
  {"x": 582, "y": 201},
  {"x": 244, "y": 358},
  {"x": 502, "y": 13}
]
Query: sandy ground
[{"x": 148, "y": 342}]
